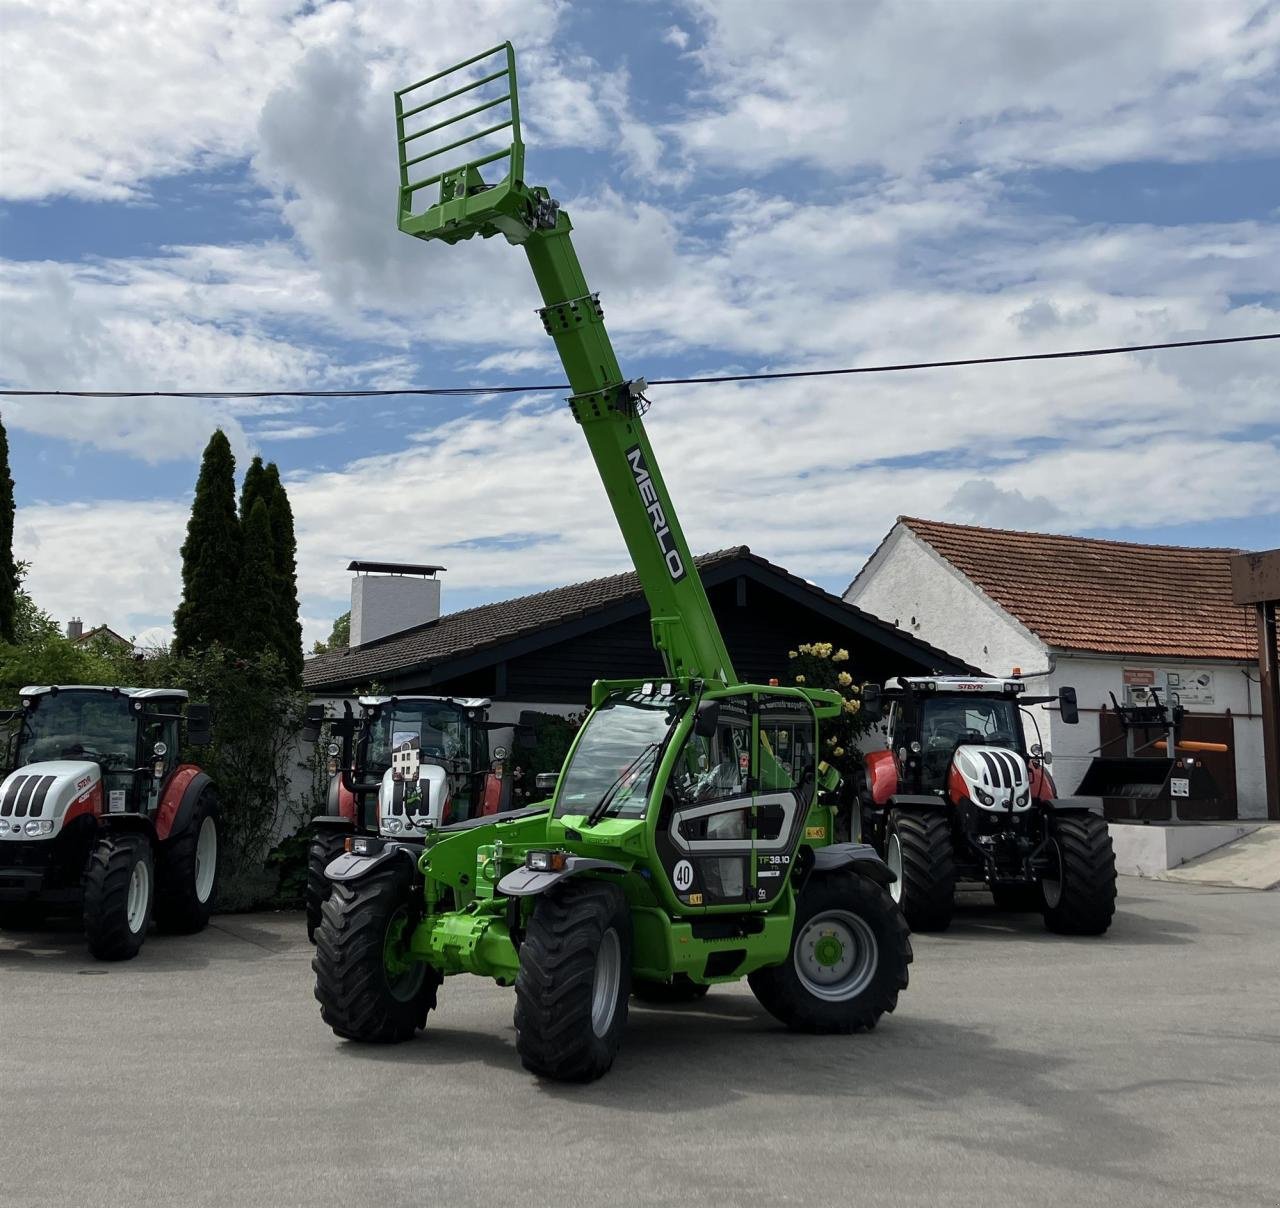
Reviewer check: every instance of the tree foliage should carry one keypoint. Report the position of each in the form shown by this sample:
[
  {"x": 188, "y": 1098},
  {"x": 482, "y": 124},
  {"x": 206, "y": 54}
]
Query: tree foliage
[
  {"x": 258, "y": 631},
  {"x": 208, "y": 613},
  {"x": 284, "y": 547},
  {"x": 822, "y": 665},
  {"x": 339, "y": 636},
  {"x": 8, "y": 568}
]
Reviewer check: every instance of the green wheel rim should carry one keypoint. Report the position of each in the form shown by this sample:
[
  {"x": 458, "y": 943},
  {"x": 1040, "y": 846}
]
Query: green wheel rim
[{"x": 402, "y": 973}]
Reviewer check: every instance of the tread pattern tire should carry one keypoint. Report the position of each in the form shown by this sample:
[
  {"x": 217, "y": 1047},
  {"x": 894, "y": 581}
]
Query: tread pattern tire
[
  {"x": 106, "y": 896},
  {"x": 928, "y": 890},
  {"x": 324, "y": 847},
  {"x": 679, "y": 989},
  {"x": 780, "y": 990},
  {"x": 179, "y": 909},
  {"x": 555, "y": 985},
  {"x": 356, "y": 999},
  {"x": 1088, "y": 866}
]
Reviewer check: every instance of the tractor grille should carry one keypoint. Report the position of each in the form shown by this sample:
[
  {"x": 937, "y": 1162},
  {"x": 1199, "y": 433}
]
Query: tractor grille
[
  {"x": 1004, "y": 771},
  {"x": 24, "y": 798}
]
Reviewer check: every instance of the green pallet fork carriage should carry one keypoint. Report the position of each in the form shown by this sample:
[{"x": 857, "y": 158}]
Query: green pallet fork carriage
[{"x": 689, "y": 838}]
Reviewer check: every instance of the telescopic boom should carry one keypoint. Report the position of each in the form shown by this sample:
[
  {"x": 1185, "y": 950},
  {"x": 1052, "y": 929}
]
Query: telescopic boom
[{"x": 472, "y": 109}]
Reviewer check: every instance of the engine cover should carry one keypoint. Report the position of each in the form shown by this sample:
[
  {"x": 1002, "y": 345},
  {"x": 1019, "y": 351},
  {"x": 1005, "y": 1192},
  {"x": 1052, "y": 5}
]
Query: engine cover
[
  {"x": 415, "y": 805},
  {"x": 993, "y": 778},
  {"x": 49, "y": 794}
]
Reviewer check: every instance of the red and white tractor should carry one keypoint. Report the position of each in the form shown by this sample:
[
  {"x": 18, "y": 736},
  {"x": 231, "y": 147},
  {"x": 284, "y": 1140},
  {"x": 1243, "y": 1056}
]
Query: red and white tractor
[
  {"x": 97, "y": 814},
  {"x": 402, "y": 766},
  {"x": 959, "y": 796}
]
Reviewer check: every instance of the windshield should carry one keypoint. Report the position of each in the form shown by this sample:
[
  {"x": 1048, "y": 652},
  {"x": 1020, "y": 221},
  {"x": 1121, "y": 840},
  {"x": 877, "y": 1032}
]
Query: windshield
[
  {"x": 617, "y": 755},
  {"x": 80, "y": 725},
  {"x": 416, "y": 730},
  {"x": 948, "y": 721}
]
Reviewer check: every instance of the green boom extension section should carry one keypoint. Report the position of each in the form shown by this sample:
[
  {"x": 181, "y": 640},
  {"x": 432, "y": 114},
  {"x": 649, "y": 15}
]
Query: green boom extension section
[{"x": 689, "y": 840}]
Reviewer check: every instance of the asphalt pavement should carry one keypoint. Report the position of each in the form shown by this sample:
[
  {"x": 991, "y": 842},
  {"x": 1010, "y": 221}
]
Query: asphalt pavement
[{"x": 1020, "y": 1069}]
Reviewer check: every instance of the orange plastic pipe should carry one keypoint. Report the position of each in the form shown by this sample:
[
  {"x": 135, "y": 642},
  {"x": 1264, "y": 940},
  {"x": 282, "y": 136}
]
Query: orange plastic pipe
[{"x": 1191, "y": 745}]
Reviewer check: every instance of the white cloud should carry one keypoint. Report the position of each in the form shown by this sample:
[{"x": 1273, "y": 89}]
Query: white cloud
[{"x": 900, "y": 86}]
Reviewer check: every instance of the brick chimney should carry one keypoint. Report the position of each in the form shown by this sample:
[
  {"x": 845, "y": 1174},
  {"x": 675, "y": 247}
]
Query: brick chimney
[
  {"x": 390, "y": 597},
  {"x": 75, "y": 629}
]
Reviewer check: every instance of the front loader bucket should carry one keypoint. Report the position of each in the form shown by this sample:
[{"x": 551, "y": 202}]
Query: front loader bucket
[{"x": 1147, "y": 789}]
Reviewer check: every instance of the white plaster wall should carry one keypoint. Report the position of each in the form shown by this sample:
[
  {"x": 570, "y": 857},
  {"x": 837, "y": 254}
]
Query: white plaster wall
[
  {"x": 909, "y": 585},
  {"x": 387, "y": 604},
  {"x": 1093, "y": 677}
]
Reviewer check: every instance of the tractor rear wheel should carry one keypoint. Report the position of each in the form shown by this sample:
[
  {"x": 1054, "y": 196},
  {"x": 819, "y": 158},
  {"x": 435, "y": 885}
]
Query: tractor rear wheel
[
  {"x": 848, "y": 961},
  {"x": 918, "y": 850},
  {"x": 678, "y": 990},
  {"x": 367, "y": 985},
  {"x": 574, "y": 980},
  {"x": 1079, "y": 887},
  {"x": 119, "y": 894},
  {"x": 325, "y": 846},
  {"x": 187, "y": 872}
]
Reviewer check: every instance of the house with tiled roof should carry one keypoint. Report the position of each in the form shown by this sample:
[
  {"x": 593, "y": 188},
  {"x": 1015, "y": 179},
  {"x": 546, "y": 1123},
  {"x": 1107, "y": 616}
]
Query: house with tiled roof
[
  {"x": 1101, "y": 616},
  {"x": 543, "y": 651}
]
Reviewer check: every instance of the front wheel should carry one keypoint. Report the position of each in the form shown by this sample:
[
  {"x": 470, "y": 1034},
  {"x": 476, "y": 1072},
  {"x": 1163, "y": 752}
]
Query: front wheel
[
  {"x": 325, "y": 847},
  {"x": 848, "y": 961},
  {"x": 1079, "y": 886},
  {"x": 368, "y": 986},
  {"x": 574, "y": 979},
  {"x": 118, "y": 896},
  {"x": 918, "y": 851}
]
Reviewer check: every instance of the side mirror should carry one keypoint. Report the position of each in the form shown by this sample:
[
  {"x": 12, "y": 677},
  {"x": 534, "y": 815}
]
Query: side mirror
[
  {"x": 199, "y": 725},
  {"x": 525, "y": 737},
  {"x": 1067, "y": 706},
  {"x": 706, "y": 719},
  {"x": 312, "y": 720},
  {"x": 545, "y": 782},
  {"x": 872, "y": 705}
]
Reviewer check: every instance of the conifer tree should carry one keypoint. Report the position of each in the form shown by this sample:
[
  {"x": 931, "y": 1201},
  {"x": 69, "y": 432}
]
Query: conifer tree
[
  {"x": 258, "y": 630},
  {"x": 8, "y": 568},
  {"x": 285, "y": 550},
  {"x": 253, "y": 489},
  {"x": 208, "y": 613}
]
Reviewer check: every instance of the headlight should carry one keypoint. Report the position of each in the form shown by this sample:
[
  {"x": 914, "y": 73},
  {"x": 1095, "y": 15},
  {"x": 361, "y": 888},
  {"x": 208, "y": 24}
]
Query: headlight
[
  {"x": 985, "y": 797},
  {"x": 39, "y": 826},
  {"x": 389, "y": 826},
  {"x": 545, "y": 861}
]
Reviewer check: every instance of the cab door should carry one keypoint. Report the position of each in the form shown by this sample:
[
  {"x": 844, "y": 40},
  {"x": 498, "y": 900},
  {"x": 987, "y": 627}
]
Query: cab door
[{"x": 704, "y": 835}]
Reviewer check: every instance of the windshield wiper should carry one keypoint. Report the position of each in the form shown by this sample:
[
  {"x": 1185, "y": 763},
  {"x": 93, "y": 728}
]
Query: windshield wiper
[{"x": 612, "y": 791}]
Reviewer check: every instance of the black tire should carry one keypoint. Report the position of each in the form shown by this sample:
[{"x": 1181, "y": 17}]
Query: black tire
[
  {"x": 185, "y": 887},
  {"x": 324, "y": 847},
  {"x": 855, "y": 909},
  {"x": 679, "y": 989},
  {"x": 360, "y": 999},
  {"x": 1082, "y": 899},
  {"x": 926, "y": 886},
  {"x": 574, "y": 980},
  {"x": 1018, "y": 899},
  {"x": 114, "y": 931}
]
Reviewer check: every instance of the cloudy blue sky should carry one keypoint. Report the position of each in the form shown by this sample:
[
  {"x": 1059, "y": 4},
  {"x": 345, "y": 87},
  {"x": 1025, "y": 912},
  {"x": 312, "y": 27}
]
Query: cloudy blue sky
[{"x": 202, "y": 197}]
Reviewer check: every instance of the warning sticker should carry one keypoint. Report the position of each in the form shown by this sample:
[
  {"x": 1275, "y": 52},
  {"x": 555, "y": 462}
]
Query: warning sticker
[
  {"x": 115, "y": 801},
  {"x": 1179, "y": 786}
]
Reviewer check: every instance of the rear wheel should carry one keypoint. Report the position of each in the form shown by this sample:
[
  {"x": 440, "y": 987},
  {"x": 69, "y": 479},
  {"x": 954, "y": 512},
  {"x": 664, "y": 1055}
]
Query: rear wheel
[
  {"x": 119, "y": 893},
  {"x": 324, "y": 848},
  {"x": 1079, "y": 886},
  {"x": 574, "y": 979},
  {"x": 918, "y": 851},
  {"x": 367, "y": 985},
  {"x": 678, "y": 990},
  {"x": 848, "y": 961},
  {"x": 187, "y": 872}
]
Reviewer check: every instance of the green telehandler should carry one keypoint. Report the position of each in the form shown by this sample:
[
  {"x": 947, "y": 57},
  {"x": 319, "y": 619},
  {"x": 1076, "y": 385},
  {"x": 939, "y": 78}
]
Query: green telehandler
[{"x": 689, "y": 838}]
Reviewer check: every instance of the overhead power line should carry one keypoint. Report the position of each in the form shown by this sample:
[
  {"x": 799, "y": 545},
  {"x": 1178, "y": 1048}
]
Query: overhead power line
[{"x": 459, "y": 391}]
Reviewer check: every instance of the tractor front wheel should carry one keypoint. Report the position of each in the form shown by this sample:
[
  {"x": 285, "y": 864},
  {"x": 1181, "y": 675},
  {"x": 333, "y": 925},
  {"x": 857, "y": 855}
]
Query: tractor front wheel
[
  {"x": 187, "y": 872},
  {"x": 1079, "y": 886},
  {"x": 680, "y": 989},
  {"x": 848, "y": 961},
  {"x": 918, "y": 850},
  {"x": 325, "y": 847},
  {"x": 574, "y": 979},
  {"x": 368, "y": 986},
  {"x": 119, "y": 893}
]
